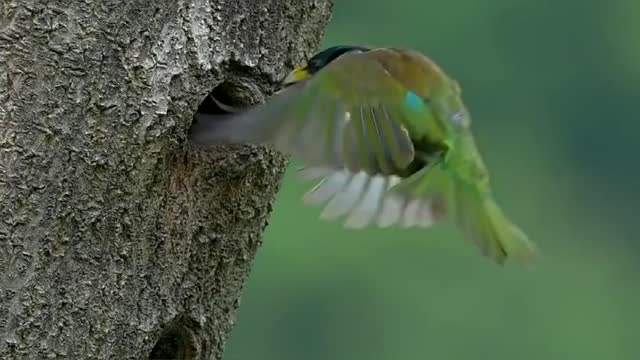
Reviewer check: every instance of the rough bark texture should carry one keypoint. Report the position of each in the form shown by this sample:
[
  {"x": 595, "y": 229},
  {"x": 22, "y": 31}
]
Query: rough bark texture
[{"x": 117, "y": 240}]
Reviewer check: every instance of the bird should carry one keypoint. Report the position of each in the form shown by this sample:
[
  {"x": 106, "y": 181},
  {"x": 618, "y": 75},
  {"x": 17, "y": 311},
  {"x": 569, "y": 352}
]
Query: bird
[{"x": 387, "y": 138}]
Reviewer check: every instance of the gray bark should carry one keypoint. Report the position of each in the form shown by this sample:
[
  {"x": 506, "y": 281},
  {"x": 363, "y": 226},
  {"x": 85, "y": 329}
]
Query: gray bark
[{"x": 118, "y": 240}]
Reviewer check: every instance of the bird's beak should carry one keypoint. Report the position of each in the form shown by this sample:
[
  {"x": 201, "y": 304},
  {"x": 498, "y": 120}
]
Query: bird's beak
[{"x": 298, "y": 74}]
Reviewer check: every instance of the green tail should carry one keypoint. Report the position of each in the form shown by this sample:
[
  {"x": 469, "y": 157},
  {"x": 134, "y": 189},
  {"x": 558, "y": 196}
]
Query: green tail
[
  {"x": 474, "y": 211},
  {"x": 484, "y": 223}
]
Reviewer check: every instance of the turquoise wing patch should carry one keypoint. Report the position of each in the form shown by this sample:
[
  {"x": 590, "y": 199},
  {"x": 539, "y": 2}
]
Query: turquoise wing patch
[{"x": 413, "y": 101}]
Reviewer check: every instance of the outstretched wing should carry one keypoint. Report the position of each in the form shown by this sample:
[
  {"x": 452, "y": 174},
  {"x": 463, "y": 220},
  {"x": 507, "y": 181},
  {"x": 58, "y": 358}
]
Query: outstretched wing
[
  {"x": 354, "y": 118},
  {"x": 351, "y": 114},
  {"x": 365, "y": 190},
  {"x": 350, "y": 123}
]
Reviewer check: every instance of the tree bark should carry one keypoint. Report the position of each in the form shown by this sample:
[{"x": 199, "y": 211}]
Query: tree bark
[{"x": 118, "y": 240}]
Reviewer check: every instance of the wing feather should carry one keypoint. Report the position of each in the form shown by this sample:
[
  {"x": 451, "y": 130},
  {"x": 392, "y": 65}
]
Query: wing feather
[
  {"x": 348, "y": 100},
  {"x": 365, "y": 200},
  {"x": 351, "y": 113}
]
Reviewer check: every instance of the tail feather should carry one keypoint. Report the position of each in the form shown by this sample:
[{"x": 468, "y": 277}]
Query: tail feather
[
  {"x": 484, "y": 223},
  {"x": 474, "y": 211}
]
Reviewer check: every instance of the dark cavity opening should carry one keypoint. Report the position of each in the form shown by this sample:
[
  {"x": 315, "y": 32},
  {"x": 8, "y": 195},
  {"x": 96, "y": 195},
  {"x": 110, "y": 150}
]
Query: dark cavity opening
[
  {"x": 176, "y": 342},
  {"x": 229, "y": 97},
  {"x": 223, "y": 99}
]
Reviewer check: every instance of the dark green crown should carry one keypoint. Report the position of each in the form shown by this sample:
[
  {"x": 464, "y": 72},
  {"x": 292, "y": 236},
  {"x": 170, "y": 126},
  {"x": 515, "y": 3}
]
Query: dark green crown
[{"x": 323, "y": 58}]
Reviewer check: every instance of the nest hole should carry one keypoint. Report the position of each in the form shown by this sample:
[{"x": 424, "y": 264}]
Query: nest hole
[
  {"x": 223, "y": 99},
  {"x": 229, "y": 97},
  {"x": 177, "y": 342}
]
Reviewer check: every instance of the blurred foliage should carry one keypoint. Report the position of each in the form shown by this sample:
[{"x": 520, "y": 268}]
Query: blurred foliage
[{"x": 553, "y": 88}]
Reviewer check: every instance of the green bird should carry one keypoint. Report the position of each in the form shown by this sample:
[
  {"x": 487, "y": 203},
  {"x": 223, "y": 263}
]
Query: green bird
[{"x": 387, "y": 135}]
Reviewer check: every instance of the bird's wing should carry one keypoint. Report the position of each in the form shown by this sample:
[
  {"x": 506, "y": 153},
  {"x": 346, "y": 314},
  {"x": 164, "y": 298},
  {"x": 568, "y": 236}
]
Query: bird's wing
[
  {"x": 354, "y": 118},
  {"x": 382, "y": 200},
  {"x": 349, "y": 124},
  {"x": 363, "y": 200},
  {"x": 350, "y": 114},
  {"x": 354, "y": 136}
]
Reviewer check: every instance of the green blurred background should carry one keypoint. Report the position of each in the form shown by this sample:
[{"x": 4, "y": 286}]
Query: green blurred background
[{"x": 554, "y": 88}]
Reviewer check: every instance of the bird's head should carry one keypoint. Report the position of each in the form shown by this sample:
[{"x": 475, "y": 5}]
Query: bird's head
[{"x": 317, "y": 62}]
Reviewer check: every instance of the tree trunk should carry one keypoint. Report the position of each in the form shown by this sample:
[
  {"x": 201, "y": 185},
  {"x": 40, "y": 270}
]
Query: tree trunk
[{"x": 117, "y": 240}]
